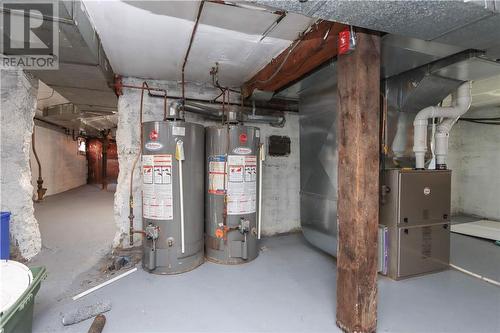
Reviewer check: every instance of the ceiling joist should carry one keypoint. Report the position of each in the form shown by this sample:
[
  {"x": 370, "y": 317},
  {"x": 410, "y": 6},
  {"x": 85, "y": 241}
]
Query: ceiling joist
[{"x": 314, "y": 48}]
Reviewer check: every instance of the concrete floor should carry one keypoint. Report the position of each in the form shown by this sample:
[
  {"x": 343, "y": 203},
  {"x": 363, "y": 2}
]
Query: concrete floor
[
  {"x": 77, "y": 229},
  {"x": 290, "y": 287}
]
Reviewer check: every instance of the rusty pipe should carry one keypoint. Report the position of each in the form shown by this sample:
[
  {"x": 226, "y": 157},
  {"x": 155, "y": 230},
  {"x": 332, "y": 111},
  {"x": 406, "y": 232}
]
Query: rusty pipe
[
  {"x": 40, "y": 190},
  {"x": 131, "y": 197},
  {"x": 144, "y": 86},
  {"x": 193, "y": 33}
]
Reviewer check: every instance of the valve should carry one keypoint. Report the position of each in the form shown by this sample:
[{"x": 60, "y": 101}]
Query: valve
[
  {"x": 152, "y": 232},
  {"x": 244, "y": 226}
]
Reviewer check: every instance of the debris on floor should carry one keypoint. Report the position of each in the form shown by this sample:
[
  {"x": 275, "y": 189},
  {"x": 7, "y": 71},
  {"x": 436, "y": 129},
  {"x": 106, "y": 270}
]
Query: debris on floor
[
  {"x": 85, "y": 312},
  {"x": 121, "y": 259},
  {"x": 99, "y": 286},
  {"x": 97, "y": 324}
]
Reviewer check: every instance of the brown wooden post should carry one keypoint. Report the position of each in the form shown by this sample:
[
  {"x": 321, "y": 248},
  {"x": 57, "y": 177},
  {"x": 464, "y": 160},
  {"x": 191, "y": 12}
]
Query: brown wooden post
[{"x": 358, "y": 82}]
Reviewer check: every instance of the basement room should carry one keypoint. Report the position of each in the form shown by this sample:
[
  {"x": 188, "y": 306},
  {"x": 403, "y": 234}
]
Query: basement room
[{"x": 250, "y": 166}]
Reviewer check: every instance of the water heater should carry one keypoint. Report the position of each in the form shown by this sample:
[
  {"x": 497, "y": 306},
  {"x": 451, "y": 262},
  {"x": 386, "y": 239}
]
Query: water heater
[
  {"x": 172, "y": 195},
  {"x": 231, "y": 201}
]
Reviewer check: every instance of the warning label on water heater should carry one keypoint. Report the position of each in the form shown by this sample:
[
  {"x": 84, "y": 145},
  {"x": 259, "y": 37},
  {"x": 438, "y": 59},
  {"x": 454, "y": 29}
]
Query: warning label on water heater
[
  {"x": 157, "y": 196},
  {"x": 240, "y": 176},
  {"x": 242, "y": 184},
  {"x": 216, "y": 174}
]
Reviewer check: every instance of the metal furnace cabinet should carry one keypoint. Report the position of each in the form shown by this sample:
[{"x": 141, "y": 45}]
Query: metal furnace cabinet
[{"x": 415, "y": 207}]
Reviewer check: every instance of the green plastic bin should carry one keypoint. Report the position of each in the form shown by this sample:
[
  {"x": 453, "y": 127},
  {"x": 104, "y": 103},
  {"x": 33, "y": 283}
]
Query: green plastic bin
[{"x": 19, "y": 317}]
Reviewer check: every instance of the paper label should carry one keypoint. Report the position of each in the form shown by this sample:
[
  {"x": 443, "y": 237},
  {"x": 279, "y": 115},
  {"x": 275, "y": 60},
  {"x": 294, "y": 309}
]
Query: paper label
[
  {"x": 216, "y": 174},
  {"x": 241, "y": 184},
  {"x": 179, "y": 131},
  {"x": 157, "y": 196}
]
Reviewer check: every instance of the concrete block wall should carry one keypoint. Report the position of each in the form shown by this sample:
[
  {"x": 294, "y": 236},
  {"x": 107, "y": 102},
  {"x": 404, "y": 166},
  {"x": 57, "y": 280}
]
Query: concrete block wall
[
  {"x": 18, "y": 106},
  {"x": 474, "y": 158},
  {"x": 63, "y": 168},
  {"x": 281, "y": 174}
]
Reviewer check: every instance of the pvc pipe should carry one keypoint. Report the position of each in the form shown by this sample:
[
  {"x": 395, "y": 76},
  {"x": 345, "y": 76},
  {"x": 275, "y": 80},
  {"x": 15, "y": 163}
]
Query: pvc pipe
[
  {"x": 181, "y": 193},
  {"x": 179, "y": 155},
  {"x": 99, "y": 286},
  {"x": 463, "y": 270},
  {"x": 259, "y": 215},
  {"x": 461, "y": 103}
]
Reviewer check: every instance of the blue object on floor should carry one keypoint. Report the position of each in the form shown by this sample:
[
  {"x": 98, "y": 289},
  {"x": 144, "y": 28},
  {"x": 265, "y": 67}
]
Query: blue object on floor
[{"x": 4, "y": 236}]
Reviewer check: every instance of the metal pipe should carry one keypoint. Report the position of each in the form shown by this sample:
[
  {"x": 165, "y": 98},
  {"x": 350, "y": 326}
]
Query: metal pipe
[
  {"x": 217, "y": 114},
  {"x": 40, "y": 190},
  {"x": 131, "y": 197},
  {"x": 202, "y": 3}
]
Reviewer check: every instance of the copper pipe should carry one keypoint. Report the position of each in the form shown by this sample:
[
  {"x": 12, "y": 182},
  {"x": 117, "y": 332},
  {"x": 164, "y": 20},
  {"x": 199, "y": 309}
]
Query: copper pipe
[
  {"x": 189, "y": 47},
  {"x": 131, "y": 197},
  {"x": 271, "y": 107},
  {"x": 40, "y": 190},
  {"x": 165, "y": 108},
  {"x": 144, "y": 86}
]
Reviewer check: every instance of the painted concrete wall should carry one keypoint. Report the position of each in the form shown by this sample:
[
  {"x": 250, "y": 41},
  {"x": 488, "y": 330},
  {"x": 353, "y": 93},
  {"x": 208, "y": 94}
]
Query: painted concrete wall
[
  {"x": 62, "y": 167},
  {"x": 281, "y": 174},
  {"x": 474, "y": 157},
  {"x": 18, "y": 106}
]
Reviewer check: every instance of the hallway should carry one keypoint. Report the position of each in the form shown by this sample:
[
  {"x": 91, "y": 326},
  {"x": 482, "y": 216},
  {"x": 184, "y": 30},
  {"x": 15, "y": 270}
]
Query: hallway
[{"x": 77, "y": 229}]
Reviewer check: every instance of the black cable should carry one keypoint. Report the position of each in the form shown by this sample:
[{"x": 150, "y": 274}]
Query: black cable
[
  {"x": 480, "y": 121},
  {"x": 487, "y": 119}
]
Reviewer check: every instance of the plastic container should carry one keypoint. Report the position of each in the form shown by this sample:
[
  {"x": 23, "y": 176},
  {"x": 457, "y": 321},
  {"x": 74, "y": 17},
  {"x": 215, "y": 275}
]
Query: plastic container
[
  {"x": 19, "y": 317},
  {"x": 4, "y": 236}
]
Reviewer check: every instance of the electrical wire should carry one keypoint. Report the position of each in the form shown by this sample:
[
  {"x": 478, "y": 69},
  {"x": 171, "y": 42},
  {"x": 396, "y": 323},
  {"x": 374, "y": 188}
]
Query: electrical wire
[
  {"x": 294, "y": 45},
  {"x": 481, "y": 122},
  {"x": 484, "y": 121}
]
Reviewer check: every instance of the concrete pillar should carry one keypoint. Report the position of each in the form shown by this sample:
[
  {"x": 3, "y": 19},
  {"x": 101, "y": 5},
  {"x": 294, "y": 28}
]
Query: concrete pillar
[
  {"x": 128, "y": 146},
  {"x": 18, "y": 106}
]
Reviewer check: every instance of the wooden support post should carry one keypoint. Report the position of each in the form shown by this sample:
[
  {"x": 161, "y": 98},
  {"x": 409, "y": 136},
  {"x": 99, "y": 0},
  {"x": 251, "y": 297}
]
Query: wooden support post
[{"x": 358, "y": 77}]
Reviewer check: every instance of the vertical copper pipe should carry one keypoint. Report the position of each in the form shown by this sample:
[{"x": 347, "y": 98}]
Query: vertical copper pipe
[
  {"x": 40, "y": 190},
  {"x": 165, "y": 107},
  {"x": 131, "y": 197},
  {"x": 189, "y": 47}
]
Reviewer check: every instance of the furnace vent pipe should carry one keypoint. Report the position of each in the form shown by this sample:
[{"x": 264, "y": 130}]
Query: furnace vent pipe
[
  {"x": 461, "y": 102},
  {"x": 217, "y": 114}
]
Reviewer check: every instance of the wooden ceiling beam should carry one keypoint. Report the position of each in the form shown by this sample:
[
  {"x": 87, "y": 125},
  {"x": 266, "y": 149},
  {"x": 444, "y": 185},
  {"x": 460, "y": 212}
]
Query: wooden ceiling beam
[{"x": 310, "y": 51}]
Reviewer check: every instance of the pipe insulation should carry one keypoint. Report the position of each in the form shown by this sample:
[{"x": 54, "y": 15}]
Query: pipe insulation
[{"x": 461, "y": 101}]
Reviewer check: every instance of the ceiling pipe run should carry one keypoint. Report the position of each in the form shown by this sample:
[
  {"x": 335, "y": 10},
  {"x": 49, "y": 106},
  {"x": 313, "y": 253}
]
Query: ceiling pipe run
[
  {"x": 209, "y": 112},
  {"x": 200, "y": 9}
]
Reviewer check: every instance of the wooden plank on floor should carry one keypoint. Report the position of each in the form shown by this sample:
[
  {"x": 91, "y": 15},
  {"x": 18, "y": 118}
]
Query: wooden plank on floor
[{"x": 358, "y": 77}]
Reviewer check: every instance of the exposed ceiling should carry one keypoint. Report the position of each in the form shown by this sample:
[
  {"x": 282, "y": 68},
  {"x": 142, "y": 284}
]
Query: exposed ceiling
[
  {"x": 148, "y": 39},
  {"x": 160, "y": 32},
  {"x": 469, "y": 24},
  {"x": 54, "y": 110}
]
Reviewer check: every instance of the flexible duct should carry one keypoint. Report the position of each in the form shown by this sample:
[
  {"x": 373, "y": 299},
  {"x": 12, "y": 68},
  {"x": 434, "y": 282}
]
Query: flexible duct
[{"x": 461, "y": 101}]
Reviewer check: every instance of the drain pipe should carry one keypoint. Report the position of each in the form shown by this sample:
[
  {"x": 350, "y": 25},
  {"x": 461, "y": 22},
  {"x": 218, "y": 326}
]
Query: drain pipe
[
  {"x": 463, "y": 102},
  {"x": 460, "y": 104}
]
